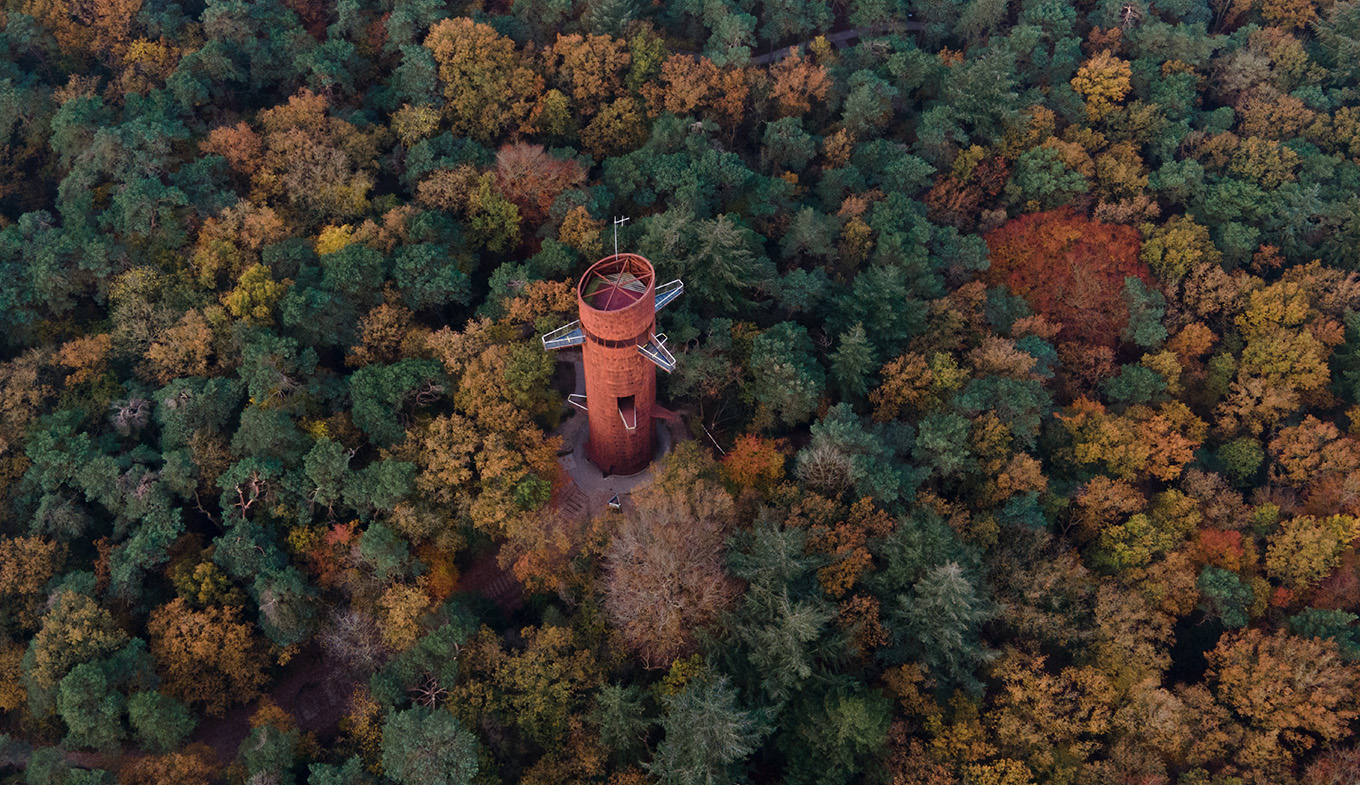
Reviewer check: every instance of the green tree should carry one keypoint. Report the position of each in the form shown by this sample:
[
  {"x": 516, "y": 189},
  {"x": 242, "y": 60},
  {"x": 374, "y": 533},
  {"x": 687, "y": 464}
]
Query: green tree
[
  {"x": 160, "y": 722},
  {"x": 938, "y": 624},
  {"x": 781, "y": 633},
  {"x": 833, "y": 739},
  {"x": 1042, "y": 181},
  {"x": 721, "y": 260},
  {"x": 1329, "y": 625},
  {"x": 786, "y": 145},
  {"x": 786, "y": 379},
  {"x": 428, "y": 747},
  {"x": 853, "y": 362},
  {"x": 380, "y": 391},
  {"x": 91, "y": 708},
  {"x": 351, "y": 772},
  {"x": 706, "y": 734},
  {"x": 623, "y": 717},
  {"x": 1225, "y": 596},
  {"x": 269, "y": 752},
  {"x": 425, "y": 278}
]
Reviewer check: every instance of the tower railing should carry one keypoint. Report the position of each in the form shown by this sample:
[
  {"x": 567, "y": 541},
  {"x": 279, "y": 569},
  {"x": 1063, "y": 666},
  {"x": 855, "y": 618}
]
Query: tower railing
[
  {"x": 562, "y": 337},
  {"x": 668, "y": 291},
  {"x": 655, "y": 350}
]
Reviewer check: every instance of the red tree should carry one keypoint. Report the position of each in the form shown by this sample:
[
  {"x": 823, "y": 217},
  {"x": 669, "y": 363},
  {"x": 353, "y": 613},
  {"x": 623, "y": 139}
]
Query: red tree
[
  {"x": 532, "y": 179},
  {"x": 1070, "y": 269}
]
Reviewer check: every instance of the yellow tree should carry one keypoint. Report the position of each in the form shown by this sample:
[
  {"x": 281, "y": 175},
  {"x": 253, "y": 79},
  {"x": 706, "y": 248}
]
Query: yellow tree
[
  {"x": 1143, "y": 442},
  {"x": 26, "y": 565},
  {"x": 488, "y": 86},
  {"x": 1051, "y": 721},
  {"x": 1305, "y": 549},
  {"x": 255, "y": 296},
  {"x": 1103, "y": 81},
  {"x": 589, "y": 69},
  {"x": 1290, "y": 692},
  {"x": 186, "y": 349},
  {"x": 321, "y": 165},
  {"x": 209, "y": 657},
  {"x": 616, "y": 130},
  {"x": 102, "y": 29},
  {"x": 1309, "y": 451},
  {"x": 1280, "y": 350}
]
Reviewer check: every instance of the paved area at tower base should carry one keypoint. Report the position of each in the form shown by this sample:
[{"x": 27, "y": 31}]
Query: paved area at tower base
[{"x": 589, "y": 479}]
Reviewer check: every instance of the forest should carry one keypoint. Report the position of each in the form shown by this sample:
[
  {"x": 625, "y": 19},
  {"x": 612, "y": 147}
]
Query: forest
[{"x": 1019, "y": 355}]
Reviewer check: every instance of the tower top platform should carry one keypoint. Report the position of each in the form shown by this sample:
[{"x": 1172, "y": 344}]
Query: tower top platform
[{"x": 616, "y": 282}]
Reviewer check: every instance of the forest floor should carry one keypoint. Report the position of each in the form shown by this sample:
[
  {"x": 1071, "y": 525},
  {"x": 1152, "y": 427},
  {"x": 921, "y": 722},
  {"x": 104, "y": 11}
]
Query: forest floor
[{"x": 313, "y": 691}]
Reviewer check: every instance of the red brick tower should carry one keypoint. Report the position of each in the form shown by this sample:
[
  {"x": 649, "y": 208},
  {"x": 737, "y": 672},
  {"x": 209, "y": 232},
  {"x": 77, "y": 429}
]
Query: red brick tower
[{"x": 618, "y": 300}]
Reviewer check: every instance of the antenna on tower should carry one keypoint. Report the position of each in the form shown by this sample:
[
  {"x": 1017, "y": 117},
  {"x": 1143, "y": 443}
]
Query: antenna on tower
[{"x": 618, "y": 221}]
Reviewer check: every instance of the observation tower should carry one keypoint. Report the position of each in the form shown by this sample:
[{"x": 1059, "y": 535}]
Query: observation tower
[{"x": 618, "y": 299}]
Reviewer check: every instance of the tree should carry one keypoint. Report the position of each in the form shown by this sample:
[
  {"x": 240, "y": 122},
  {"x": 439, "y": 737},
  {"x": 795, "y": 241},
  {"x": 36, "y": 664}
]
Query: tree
[
  {"x": 796, "y": 83},
  {"x": 780, "y": 633},
  {"x": 1049, "y": 720},
  {"x": 834, "y": 739},
  {"x": 533, "y": 179},
  {"x": 74, "y": 631},
  {"x": 868, "y": 105},
  {"x": 194, "y": 765},
  {"x": 1310, "y": 451},
  {"x": 1103, "y": 81},
  {"x": 1280, "y": 350},
  {"x": 321, "y": 164},
  {"x": 425, "y": 279},
  {"x": 160, "y": 721},
  {"x": 1069, "y": 269},
  {"x": 544, "y": 687},
  {"x": 1042, "y": 180},
  {"x": 207, "y": 657},
  {"x": 351, "y": 772},
  {"x": 185, "y": 349},
  {"x": 1178, "y": 246},
  {"x": 618, "y": 129},
  {"x": 720, "y": 260},
  {"x": 423, "y": 746},
  {"x": 754, "y": 462},
  {"x": 1295, "y": 689},
  {"x": 622, "y": 716},
  {"x": 938, "y": 624},
  {"x": 1225, "y": 596},
  {"x": 379, "y": 392},
  {"x": 785, "y": 378},
  {"x": 1143, "y": 441},
  {"x": 589, "y": 69},
  {"x": 706, "y": 732},
  {"x": 487, "y": 85},
  {"x": 270, "y": 750},
  {"x": 852, "y": 362},
  {"x": 91, "y": 709},
  {"x": 26, "y": 565},
  {"x": 664, "y": 575},
  {"x": 1306, "y": 550},
  {"x": 786, "y": 145}
]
